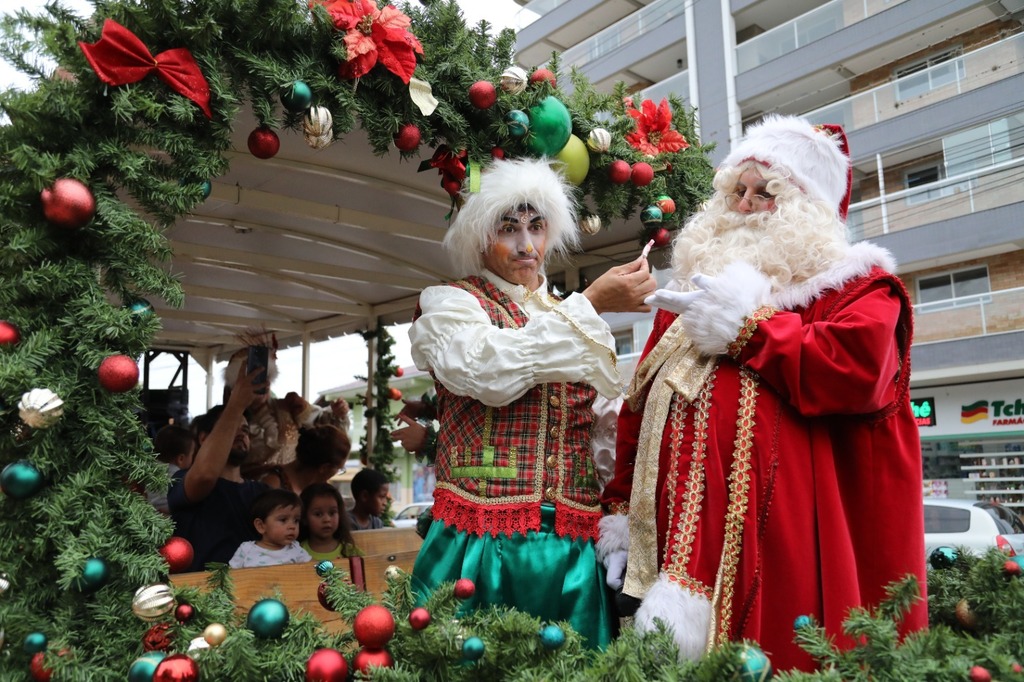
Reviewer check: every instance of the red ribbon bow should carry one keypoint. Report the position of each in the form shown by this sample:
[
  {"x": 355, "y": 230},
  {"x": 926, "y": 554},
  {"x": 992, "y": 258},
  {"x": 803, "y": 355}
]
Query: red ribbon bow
[{"x": 119, "y": 58}]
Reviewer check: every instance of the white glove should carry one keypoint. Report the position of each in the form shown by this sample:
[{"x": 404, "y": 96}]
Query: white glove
[
  {"x": 615, "y": 568},
  {"x": 674, "y": 301}
]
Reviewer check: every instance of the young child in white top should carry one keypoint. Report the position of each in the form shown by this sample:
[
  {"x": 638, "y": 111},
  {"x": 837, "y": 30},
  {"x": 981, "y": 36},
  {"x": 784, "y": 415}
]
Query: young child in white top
[{"x": 276, "y": 515}]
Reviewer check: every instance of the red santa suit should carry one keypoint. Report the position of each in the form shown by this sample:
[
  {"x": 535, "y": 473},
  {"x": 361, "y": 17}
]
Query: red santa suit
[{"x": 781, "y": 478}]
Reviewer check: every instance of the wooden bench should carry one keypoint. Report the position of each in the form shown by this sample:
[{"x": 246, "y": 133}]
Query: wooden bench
[{"x": 297, "y": 583}]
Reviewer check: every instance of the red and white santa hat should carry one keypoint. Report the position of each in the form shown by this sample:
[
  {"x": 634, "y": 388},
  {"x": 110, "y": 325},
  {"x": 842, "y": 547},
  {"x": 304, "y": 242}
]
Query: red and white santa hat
[{"x": 817, "y": 157}]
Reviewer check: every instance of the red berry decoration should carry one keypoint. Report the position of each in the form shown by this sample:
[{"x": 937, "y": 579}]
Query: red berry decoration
[
  {"x": 541, "y": 75},
  {"x": 321, "y": 596},
  {"x": 497, "y": 153},
  {"x": 9, "y": 334},
  {"x": 979, "y": 674},
  {"x": 419, "y": 618},
  {"x": 662, "y": 237},
  {"x": 482, "y": 94},
  {"x": 183, "y": 613},
  {"x": 118, "y": 373},
  {"x": 452, "y": 186},
  {"x": 176, "y": 668},
  {"x": 374, "y": 626},
  {"x": 641, "y": 174},
  {"x": 178, "y": 554},
  {"x": 618, "y": 172},
  {"x": 38, "y": 669},
  {"x": 464, "y": 588},
  {"x": 1017, "y": 668},
  {"x": 326, "y": 665},
  {"x": 408, "y": 138},
  {"x": 365, "y": 659},
  {"x": 264, "y": 143},
  {"x": 68, "y": 203}
]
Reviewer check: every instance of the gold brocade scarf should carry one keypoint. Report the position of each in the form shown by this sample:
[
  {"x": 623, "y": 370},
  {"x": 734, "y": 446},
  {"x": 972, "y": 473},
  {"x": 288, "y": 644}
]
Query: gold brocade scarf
[{"x": 674, "y": 365}]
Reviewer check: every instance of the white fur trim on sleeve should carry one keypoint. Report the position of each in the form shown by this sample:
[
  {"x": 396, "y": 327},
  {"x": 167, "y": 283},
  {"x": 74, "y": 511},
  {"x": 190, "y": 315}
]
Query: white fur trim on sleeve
[
  {"x": 613, "y": 535},
  {"x": 714, "y": 321},
  {"x": 686, "y": 614}
]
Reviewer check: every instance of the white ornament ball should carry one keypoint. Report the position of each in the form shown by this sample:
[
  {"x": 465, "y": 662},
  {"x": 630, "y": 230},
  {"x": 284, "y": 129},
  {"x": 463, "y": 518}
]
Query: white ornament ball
[
  {"x": 153, "y": 602},
  {"x": 590, "y": 224},
  {"x": 318, "y": 127},
  {"x": 198, "y": 643},
  {"x": 392, "y": 572},
  {"x": 599, "y": 140},
  {"x": 513, "y": 80},
  {"x": 40, "y": 408}
]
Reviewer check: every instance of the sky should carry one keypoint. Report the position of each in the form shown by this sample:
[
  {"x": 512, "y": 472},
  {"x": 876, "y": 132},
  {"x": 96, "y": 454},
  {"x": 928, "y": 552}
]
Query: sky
[{"x": 333, "y": 363}]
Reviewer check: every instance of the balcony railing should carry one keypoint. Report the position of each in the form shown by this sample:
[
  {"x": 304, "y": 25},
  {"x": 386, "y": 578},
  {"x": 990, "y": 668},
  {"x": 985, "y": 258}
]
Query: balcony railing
[
  {"x": 978, "y": 315},
  {"x": 618, "y": 34},
  {"x": 968, "y": 72},
  {"x": 814, "y": 25},
  {"x": 956, "y": 196},
  {"x": 678, "y": 85}
]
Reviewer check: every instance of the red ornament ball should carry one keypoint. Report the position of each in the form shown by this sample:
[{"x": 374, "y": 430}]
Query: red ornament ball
[
  {"x": 1011, "y": 568},
  {"x": 68, "y": 203},
  {"x": 264, "y": 143},
  {"x": 38, "y": 669},
  {"x": 662, "y": 237},
  {"x": 118, "y": 373},
  {"x": 1017, "y": 668},
  {"x": 9, "y": 334},
  {"x": 176, "y": 668},
  {"x": 321, "y": 596},
  {"x": 979, "y": 674},
  {"x": 482, "y": 94},
  {"x": 541, "y": 75},
  {"x": 408, "y": 138},
  {"x": 619, "y": 172},
  {"x": 497, "y": 153},
  {"x": 399, "y": 371},
  {"x": 326, "y": 665},
  {"x": 452, "y": 186},
  {"x": 156, "y": 638},
  {"x": 394, "y": 394},
  {"x": 641, "y": 174},
  {"x": 371, "y": 658},
  {"x": 666, "y": 204},
  {"x": 178, "y": 554},
  {"x": 464, "y": 588},
  {"x": 183, "y": 613},
  {"x": 374, "y": 626},
  {"x": 419, "y": 618}
]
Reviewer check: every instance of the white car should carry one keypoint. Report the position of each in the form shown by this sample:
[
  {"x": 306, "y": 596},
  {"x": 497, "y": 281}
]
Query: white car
[
  {"x": 974, "y": 524},
  {"x": 407, "y": 515}
]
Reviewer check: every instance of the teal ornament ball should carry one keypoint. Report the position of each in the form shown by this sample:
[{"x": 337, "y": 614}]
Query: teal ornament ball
[
  {"x": 550, "y": 127},
  {"x": 518, "y": 123},
  {"x": 652, "y": 215},
  {"x": 297, "y": 97},
  {"x": 552, "y": 636},
  {"x": 35, "y": 642},
  {"x": 144, "y": 666},
  {"x": 801, "y": 622},
  {"x": 140, "y": 307},
  {"x": 473, "y": 649},
  {"x": 754, "y": 666},
  {"x": 267, "y": 618},
  {"x": 207, "y": 188},
  {"x": 21, "y": 479},
  {"x": 942, "y": 557},
  {"x": 95, "y": 574},
  {"x": 324, "y": 567}
]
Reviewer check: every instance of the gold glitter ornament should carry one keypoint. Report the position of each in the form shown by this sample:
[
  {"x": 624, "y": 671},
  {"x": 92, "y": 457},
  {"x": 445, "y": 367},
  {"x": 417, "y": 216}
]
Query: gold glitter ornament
[
  {"x": 590, "y": 224},
  {"x": 153, "y": 602},
  {"x": 215, "y": 634},
  {"x": 40, "y": 408},
  {"x": 965, "y": 615},
  {"x": 513, "y": 80},
  {"x": 599, "y": 140},
  {"x": 318, "y": 127}
]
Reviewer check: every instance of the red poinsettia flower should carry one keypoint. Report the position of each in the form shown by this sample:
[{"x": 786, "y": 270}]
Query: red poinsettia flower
[
  {"x": 374, "y": 35},
  {"x": 653, "y": 135}
]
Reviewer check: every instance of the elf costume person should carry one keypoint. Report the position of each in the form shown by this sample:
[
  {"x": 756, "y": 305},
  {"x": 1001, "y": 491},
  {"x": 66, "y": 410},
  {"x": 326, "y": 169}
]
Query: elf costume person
[{"x": 768, "y": 465}]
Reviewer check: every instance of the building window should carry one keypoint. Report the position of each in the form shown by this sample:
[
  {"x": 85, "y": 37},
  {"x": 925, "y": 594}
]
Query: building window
[
  {"x": 949, "y": 289},
  {"x": 623, "y": 342},
  {"x": 927, "y": 176},
  {"x": 999, "y": 141},
  {"x": 935, "y": 72}
]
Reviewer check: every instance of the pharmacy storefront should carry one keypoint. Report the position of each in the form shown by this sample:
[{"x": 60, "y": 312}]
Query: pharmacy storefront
[{"x": 972, "y": 439}]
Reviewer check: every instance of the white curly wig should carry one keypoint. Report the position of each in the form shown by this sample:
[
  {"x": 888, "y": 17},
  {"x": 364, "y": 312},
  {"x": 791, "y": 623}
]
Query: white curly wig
[{"x": 505, "y": 185}]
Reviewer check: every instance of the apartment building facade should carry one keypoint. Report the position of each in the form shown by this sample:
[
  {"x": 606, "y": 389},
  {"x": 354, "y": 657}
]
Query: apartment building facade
[{"x": 930, "y": 96}]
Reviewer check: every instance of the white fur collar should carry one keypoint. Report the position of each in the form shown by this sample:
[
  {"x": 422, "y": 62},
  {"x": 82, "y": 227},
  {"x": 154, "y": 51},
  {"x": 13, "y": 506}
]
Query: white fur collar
[{"x": 859, "y": 260}]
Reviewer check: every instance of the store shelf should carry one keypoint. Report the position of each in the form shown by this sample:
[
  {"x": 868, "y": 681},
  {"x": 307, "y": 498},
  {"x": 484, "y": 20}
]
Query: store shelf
[{"x": 995, "y": 476}]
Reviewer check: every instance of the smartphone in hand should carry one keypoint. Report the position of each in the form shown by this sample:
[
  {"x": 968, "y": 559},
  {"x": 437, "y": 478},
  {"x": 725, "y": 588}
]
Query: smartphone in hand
[{"x": 259, "y": 357}]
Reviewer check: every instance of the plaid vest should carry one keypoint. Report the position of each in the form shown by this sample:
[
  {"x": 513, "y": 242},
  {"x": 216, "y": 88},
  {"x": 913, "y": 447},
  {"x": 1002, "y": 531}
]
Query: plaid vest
[{"x": 496, "y": 465}]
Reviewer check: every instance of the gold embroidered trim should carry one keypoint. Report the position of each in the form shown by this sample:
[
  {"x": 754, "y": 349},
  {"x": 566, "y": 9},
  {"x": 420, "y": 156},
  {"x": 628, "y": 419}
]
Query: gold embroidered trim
[
  {"x": 747, "y": 330},
  {"x": 579, "y": 330},
  {"x": 739, "y": 499},
  {"x": 672, "y": 339}
]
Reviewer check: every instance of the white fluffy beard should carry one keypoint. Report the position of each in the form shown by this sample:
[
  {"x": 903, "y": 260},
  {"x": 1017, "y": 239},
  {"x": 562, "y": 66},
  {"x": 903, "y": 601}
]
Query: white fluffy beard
[{"x": 801, "y": 238}]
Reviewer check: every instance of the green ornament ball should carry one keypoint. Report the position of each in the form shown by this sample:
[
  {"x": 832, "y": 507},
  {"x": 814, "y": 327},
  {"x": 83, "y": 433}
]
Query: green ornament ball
[
  {"x": 550, "y": 127},
  {"x": 323, "y": 568},
  {"x": 21, "y": 479},
  {"x": 35, "y": 642},
  {"x": 574, "y": 160},
  {"x": 267, "y": 618},
  {"x": 473, "y": 649},
  {"x": 552, "y": 636},
  {"x": 518, "y": 123},
  {"x": 95, "y": 574},
  {"x": 652, "y": 215},
  {"x": 297, "y": 97},
  {"x": 754, "y": 666},
  {"x": 144, "y": 666},
  {"x": 942, "y": 557}
]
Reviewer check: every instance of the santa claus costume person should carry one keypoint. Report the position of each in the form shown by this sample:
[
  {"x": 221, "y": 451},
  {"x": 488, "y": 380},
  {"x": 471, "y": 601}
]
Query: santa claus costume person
[{"x": 768, "y": 463}]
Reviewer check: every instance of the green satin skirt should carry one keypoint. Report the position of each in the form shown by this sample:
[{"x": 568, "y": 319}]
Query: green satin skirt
[{"x": 540, "y": 573}]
